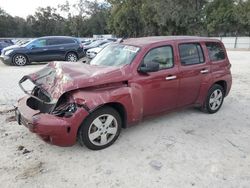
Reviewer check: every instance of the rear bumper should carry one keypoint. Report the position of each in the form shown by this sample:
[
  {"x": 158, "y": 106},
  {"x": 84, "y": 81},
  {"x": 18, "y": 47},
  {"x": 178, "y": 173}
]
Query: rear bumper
[
  {"x": 6, "y": 59},
  {"x": 52, "y": 129}
]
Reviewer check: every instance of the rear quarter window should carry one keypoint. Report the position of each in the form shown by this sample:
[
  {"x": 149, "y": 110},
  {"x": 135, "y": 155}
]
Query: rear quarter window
[{"x": 215, "y": 51}]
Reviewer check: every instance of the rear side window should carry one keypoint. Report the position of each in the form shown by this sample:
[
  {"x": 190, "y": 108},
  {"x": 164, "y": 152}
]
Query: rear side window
[
  {"x": 215, "y": 51},
  {"x": 58, "y": 41},
  {"x": 161, "y": 55},
  {"x": 191, "y": 54},
  {"x": 67, "y": 41}
]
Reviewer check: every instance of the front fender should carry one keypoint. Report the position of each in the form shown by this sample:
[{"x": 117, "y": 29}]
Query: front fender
[{"x": 128, "y": 97}]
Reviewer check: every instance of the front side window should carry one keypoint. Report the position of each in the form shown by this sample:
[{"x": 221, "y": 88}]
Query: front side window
[
  {"x": 191, "y": 54},
  {"x": 115, "y": 55},
  {"x": 215, "y": 51},
  {"x": 161, "y": 55},
  {"x": 39, "y": 43}
]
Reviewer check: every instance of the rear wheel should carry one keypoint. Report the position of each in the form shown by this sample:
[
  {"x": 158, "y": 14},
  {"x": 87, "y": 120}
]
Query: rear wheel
[
  {"x": 214, "y": 99},
  {"x": 72, "y": 57},
  {"x": 20, "y": 60},
  {"x": 100, "y": 129}
]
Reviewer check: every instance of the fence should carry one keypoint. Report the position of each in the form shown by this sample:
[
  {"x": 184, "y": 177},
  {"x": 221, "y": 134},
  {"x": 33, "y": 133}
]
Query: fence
[{"x": 235, "y": 42}]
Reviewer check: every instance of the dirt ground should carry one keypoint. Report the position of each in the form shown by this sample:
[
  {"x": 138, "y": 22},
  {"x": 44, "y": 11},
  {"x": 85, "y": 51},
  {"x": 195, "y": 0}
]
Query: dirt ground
[{"x": 181, "y": 149}]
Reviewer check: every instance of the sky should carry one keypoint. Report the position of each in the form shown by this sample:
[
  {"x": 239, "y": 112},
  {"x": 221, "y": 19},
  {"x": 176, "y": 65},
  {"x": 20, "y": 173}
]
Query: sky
[{"x": 23, "y": 8}]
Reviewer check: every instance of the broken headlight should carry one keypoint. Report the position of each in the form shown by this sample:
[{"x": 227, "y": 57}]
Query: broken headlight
[
  {"x": 65, "y": 110},
  {"x": 65, "y": 107}
]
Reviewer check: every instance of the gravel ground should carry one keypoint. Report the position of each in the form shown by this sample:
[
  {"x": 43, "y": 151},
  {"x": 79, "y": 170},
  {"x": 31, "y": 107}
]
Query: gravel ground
[{"x": 181, "y": 149}]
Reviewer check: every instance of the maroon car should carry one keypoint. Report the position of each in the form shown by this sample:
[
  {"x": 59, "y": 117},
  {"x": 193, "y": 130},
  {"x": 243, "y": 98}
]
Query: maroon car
[{"x": 124, "y": 83}]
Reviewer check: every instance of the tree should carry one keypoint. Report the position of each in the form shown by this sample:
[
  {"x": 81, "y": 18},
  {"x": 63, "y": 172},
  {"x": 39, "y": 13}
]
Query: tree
[
  {"x": 242, "y": 14},
  {"x": 220, "y": 18}
]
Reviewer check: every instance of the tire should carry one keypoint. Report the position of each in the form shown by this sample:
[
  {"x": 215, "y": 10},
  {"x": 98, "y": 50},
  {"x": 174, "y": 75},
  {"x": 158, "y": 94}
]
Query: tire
[
  {"x": 96, "y": 133},
  {"x": 20, "y": 60},
  {"x": 214, "y": 99},
  {"x": 72, "y": 57}
]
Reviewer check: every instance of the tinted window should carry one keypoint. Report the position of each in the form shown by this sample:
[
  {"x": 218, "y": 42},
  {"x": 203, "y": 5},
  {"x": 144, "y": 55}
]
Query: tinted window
[
  {"x": 215, "y": 51},
  {"x": 162, "y": 55},
  {"x": 58, "y": 41},
  {"x": 191, "y": 54},
  {"x": 53, "y": 42},
  {"x": 67, "y": 41}
]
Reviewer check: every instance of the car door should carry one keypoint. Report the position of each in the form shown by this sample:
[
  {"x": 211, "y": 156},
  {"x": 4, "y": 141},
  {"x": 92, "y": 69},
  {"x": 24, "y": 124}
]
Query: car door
[
  {"x": 194, "y": 70},
  {"x": 38, "y": 50},
  {"x": 159, "y": 89},
  {"x": 56, "y": 49}
]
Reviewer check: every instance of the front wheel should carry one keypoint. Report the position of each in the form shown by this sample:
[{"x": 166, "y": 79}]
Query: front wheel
[
  {"x": 100, "y": 129},
  {"x": 20, "y": 60},
  {"x": 214, "y": 99}
]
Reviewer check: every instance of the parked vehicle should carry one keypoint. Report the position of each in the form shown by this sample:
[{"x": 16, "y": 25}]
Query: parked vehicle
[
  {"x": 5, "y": 43},
  {"x": 91, "y": 53},
  {"x": 43, "y": 49},
  {"x": 123, "y": 84},
  {"x": 95, "y": 44}
]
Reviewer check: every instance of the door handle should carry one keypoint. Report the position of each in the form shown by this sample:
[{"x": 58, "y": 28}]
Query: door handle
[
  {"x": 204, "y": 71},
  {"x": 45, "y": 49},
  {"x": 171, "y": 77},
  {"x": 61, "y": 48}
]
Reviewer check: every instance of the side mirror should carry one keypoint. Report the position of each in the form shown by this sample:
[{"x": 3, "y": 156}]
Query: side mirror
[
  {"x": 149, "y": 67},
  {"x": 32, "y": 47}
]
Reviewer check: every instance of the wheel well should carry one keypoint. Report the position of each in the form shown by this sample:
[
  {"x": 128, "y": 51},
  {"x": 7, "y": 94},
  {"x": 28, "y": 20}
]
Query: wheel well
[
  {"x": 121, "y": 110},
  {"x": 71, "y": 52},
  {"x": 223, "y": 84}
]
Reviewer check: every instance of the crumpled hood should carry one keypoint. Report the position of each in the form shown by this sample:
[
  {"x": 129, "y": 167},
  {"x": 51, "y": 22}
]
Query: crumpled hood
[{"x": 59, "y": 77}]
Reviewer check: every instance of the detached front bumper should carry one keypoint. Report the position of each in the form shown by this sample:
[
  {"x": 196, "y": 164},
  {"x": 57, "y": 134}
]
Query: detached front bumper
[
  {"x": 6, "y": 59},
  {"x": 60, "y": 131}
]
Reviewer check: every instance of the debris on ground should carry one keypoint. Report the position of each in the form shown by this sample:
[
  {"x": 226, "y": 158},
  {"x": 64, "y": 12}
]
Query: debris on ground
[
  {"x": 189, "y": 131},
  {"x": 7, "y": 111},
  {"x": 10, "y": 119},
  {"x": 31, "y": 171},
  {"x": 26, "y": 151},
  {"x": 234, "y": 145},
  {"x": 157, "y": 165},
  {"x": 20, "y": 148}
]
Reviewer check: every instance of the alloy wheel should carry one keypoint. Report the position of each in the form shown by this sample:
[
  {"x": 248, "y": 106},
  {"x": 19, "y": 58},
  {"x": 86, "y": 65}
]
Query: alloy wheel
[
  {"x": 20, "y": 60},
  {"x": 72, "y": 57},
  {"x": 215, "y": 99},
  {"x": 102, "y": 130}
]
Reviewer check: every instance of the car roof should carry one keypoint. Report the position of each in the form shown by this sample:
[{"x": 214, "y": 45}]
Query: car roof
[{"x": 145, "y": 41}]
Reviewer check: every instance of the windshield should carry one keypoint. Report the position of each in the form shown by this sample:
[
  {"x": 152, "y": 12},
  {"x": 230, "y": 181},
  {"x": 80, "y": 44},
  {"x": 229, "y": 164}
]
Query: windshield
[{"x": 115, "y": 55}]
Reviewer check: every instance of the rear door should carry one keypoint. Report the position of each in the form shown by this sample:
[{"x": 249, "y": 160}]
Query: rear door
[
  {"x": 56, "y": 49},
  {"x": 194, "y": 70}
]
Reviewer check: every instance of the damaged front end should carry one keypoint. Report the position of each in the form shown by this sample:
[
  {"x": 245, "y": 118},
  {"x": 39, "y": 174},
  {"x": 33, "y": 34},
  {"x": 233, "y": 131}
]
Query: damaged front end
[
  {"x": 54, "y": 107},
  {"x": 40, "y": 100},
  {"x": 56, "y": 121}
]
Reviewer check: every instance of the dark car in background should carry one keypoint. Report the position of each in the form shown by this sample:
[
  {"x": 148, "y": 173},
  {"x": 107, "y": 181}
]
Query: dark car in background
[
  {"x": 43, "y": 49},
  {"x": 5, "y": 43}
]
